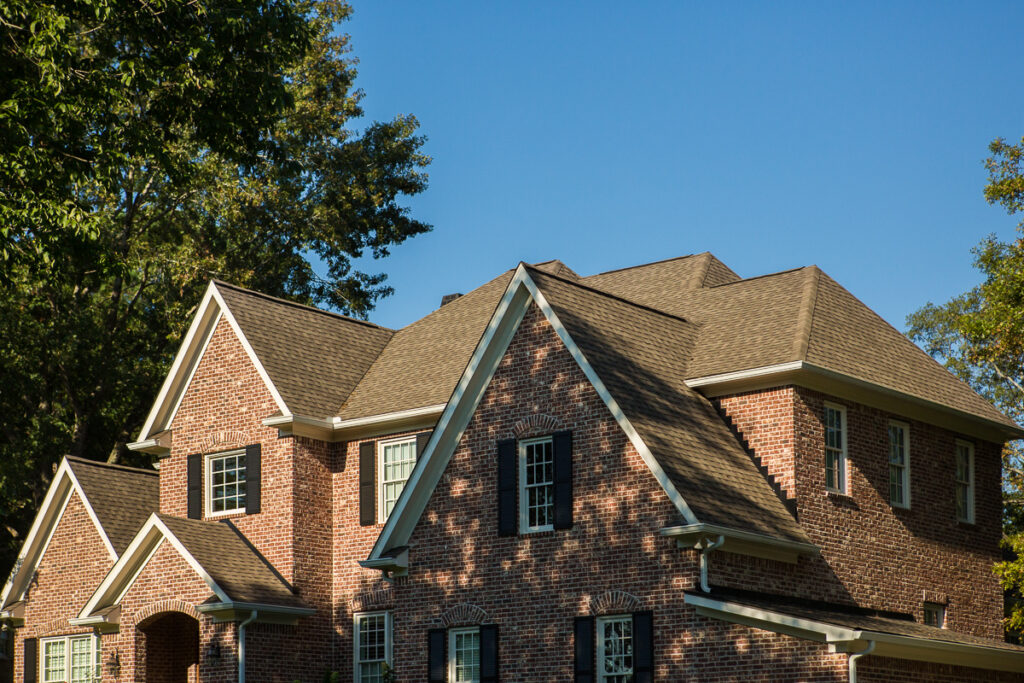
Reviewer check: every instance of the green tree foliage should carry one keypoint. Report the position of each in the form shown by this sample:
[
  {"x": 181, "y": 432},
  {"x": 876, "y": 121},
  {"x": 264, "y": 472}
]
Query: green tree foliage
[
  {"x": 144, "y": 149},
  {"x": 979, "y": 335}
]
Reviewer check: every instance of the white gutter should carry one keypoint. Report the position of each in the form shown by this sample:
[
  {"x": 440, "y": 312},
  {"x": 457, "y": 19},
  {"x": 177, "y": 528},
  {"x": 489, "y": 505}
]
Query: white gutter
[
  {"x": 706, "y": 546},
  {"x": 425, "y": 411},
  {"x": 854, "y": 657},
  {"x": 241, "y": 644}
]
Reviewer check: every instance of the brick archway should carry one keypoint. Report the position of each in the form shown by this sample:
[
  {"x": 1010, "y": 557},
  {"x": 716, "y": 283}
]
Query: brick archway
[{"x": 167, "y": 647}]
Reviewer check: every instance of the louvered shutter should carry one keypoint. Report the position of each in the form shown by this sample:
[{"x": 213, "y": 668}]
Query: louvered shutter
[
  {"x": 368, "y": 483},
  {"x": 643, "y": 647},
  {"x": 31, "y": 663},
  {"x": 437, "y": 664},
  {"x": 194, "y": 471},
  {"x": 253, "y": 478},
  {"x": 489, "y": 661},
  {"x": 583, "y": 646},
  {"x": 507, "y": 517},
  {"x": 562, "y": 445}
]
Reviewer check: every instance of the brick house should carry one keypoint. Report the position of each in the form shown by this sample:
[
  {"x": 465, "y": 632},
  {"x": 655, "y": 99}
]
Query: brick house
[{"x": 664, "y": 472}]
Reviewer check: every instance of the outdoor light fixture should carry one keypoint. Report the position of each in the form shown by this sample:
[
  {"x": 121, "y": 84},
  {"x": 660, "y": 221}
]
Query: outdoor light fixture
[
  {"x": 114, "y": 665},
  {"x": 213, "y": 653}
]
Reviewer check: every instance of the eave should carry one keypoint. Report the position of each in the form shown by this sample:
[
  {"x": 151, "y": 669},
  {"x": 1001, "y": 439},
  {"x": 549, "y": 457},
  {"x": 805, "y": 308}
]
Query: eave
[
  {"x": 337, "y": 429},
  {"x": 264, "y": 613},
  {"x": 741, "y": 542}
]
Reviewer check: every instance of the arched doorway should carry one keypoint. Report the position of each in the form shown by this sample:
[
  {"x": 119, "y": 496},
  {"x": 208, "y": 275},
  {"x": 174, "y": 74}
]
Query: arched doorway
[{"x": 171, "y": 647}]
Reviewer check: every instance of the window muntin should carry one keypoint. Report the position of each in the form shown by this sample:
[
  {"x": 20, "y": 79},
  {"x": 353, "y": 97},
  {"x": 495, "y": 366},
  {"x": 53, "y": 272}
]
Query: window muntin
[
  {"x": 71, "y": 659},
  {"x": 536, "y": 485},
  {"x": 226, "y": 483},
  {"x": 464, "y": 655},
  {"x": 935, "y": 614},
  {"x": 964, "y": 481},
  {"x": 899, "y": 464},
  {"x": 396, "y": 460},
  {"x": 615, "y": 649},
  {"x": 835, "y": 448},
  {"x": 372, "y": 646}
]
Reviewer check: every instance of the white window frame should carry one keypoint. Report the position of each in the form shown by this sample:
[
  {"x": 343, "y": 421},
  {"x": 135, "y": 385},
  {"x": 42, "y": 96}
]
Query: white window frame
[
  {"x": 960, "y": 443},
  {"x": 905, "y": 504},
  {"x": 524, "y": 507},
  {"x": 938, "y": 609},
  {"x": 356, "y": 635},
  {"x": 452, "y": 634},
  {"x": 95, "y": 654},
  {"x": 382, "y": 516},
  {"x": 599, "y": 645},
  {"x": 842, "y": 468},
  {"x": 208, "y": 485}
]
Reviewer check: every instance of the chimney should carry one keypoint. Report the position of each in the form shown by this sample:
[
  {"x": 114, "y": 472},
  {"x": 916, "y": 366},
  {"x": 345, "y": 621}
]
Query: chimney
[{"x": 448, "y": 298}]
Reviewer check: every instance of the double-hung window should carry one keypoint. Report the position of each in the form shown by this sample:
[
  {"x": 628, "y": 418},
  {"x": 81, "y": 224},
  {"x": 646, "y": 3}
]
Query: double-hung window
[
  {"x": 536, "y": 485},
  {"x": 835, "y": 448},
  {"x": 397, "y": 458},
  {"x": 71, "y": 659},
  {"x": 464, "y": 655},
  {"x": 965, "y": 481},
  {"x": 372, "y": 646},
  {"x": 899, "y": 464},
  {"x": 615, "y": 649},
  {"x": 226, "y": 483}
]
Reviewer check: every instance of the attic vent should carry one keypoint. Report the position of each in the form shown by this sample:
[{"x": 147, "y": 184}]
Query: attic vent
[{"x": 448, "y": 298}]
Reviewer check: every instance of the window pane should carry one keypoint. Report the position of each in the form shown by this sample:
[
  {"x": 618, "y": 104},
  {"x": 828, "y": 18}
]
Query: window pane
[
  {"x": 615, "y": 656},
  {"x": 398, "y": 460},
  {"x": 81, "y": 660},
  {"x": 227, "y": 483},
  {"x": 539, "y": 483},
  {"x": 467, "y": 657},
  {"x": 372, "y": 647},
  {"x": 54, "y": 664}
]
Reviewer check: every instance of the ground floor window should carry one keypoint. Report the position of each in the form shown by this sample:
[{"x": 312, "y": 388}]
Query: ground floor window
[
  {"x": 372, "y": 646},
  {"x": 615, "y": 649},
  {"x": 464, "y": 655},
  {"x": 71, "y": 659}
]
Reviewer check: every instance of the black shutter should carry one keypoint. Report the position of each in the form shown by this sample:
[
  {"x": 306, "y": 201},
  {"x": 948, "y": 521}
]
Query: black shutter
[
  {"x": 507, "y": 518},
  {"x": 583, "y": 645},
  {"x": 437, "y": 664},
  {"x": 253, "y": 478},
  {"x": 643, "y": 647},
  {"x": 195, "y": 486},
  {"x": 489, "y": 660},
  {"x": 368, "y": 483},
  {"x": 31, "y": 663},
  {"x": 421, "y": 442},
  {"x": 562, "y": 445}
]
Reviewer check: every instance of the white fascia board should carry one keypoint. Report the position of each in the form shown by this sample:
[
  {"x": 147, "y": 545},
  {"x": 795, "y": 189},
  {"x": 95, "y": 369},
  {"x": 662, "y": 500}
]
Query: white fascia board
[
  {"x": 770, "y": 621},
  {"x": 741, "y": 375},
  {"x": 713, "y": 530},
  {"x": 944, "y": 652},
  {"x": 384, "y": 418}
]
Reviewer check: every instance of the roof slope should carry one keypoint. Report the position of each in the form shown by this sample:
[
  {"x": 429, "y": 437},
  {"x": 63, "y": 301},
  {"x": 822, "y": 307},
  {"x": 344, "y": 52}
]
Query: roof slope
[
  {"x": 231, "y": 561},
  {"x": 313, "y": 357},
  {"x": 423, "y": 362},
  {"x": 654, "y": 283},
  {"x": 640, "y": 354},
  {"x": 123, "y": 498}
]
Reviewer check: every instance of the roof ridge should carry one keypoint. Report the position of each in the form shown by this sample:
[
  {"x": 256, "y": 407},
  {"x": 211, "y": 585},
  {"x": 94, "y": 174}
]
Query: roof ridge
[
  {"x": 295, "y": 304},
  {"x": 110, "y": 465},
  {"x": 652, "y": 263},
  {"x": 805, "y": 320},
  {"x": 705, "y": 270},
  {"x": 757, "y": 277},
  {"x": 609, "y": 295}
]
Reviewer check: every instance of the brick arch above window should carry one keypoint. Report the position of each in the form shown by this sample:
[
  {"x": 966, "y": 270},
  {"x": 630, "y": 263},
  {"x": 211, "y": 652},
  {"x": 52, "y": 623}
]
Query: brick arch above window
[
  {"x": 373, "y": 600},
  {"x": 57, "y": 627},
  {"x": 220, "y": 441},
  {"x": 615, "y": 602},
  {"x": 463, "y": 614},
  {"x": 535, "y": 425},
  {"x": 161, "y": 606}
]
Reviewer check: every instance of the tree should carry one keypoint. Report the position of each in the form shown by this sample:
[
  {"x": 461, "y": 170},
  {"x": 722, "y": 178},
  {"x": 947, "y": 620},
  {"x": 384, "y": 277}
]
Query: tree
[
  {"x": 145, "y": 148},
  {"x": 979, "y": 335}
]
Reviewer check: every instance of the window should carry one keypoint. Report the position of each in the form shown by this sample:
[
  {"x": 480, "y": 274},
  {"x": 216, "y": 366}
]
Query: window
[
  {"x": 536, "y": 485},
  {"x": 934, "y": 615},
  {"x": 397, "y": 459},
  {"x": 71, "y": 659},
  {"x": 835, "y": 448},
  {"x": 372, "y": 646},
  {"x": 226, "y": 487},
  {"x": 615, "y": 649},
  {"x": 899, "y": 464},
  {"x": 464, "y": 655},
  {"x": 965, "y": 481}
]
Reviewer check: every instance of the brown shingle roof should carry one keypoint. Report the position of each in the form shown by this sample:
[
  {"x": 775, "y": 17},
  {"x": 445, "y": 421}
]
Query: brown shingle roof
[
  {"x": 123, "y": 498},
  {"x": 662, "y": 280},
  {"x": 640, "y": 355},
  {"x": 233, "y": 564},
  {"x": 314, "y": 358}
]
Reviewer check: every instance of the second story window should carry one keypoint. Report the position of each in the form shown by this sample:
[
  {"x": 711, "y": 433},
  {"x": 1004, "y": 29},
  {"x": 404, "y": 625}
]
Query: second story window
[
  {"x": 934, "y": 615},
  {"x": 965, "y": 481},
  {"x": 835, "y": 448},
  {"x": 899, "y": 464},
  {"x": 397, "y": 458},
  {"x": 226, "y": 489},
  {"x": 537, "y": 485}
]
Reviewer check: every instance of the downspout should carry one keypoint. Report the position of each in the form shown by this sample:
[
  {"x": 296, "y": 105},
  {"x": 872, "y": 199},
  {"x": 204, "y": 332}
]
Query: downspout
[
  {"x": 705, "y": 548},
  {"x": 854, "y": 657},
  {"x": 241, "y": 645}
]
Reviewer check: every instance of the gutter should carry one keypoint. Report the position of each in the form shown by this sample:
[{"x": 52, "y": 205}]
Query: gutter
[{"x": 740, "y": 542}]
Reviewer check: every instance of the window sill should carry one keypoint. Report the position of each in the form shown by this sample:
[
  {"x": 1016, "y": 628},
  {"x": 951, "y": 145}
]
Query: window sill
[{"x": 226, "y": 513}]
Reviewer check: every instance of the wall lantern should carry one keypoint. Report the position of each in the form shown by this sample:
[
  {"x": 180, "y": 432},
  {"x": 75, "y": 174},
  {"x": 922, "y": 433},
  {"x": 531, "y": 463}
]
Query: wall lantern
[
  {"x": 114, "y": 665},
  {"x": 212, "y": 655}
]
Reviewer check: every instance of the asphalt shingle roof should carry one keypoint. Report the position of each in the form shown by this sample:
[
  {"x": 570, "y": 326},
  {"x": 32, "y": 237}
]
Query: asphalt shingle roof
[{"x": 123, "y": 498}]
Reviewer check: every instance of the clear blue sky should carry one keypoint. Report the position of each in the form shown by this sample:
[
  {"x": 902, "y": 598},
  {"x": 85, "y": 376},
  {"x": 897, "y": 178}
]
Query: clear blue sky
[{"x": 775, "y": 135}]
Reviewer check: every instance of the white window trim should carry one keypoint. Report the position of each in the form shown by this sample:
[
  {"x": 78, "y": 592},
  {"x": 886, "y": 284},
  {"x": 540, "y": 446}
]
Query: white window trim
[
  {"x": 208, "y": 482},
  {"x": 970, "y": 473},
  {"x": 452, "y": 632},
  {"x": 599, "y": 645},
  {"x": 382, "y": 517},
  {"x": 95, "y": 654},
  {"x": 388, "y": 624},
  {"x": 844, "y": 456},
  {"x": 906, "y": 465},
  {"x": 937, "y": 607},
  {"x": 524, "y": 509}
]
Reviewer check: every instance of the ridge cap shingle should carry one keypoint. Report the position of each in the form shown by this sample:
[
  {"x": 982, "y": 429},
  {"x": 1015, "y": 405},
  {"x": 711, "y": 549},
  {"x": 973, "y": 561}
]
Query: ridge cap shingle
[
  {"x": 759, "y": 277},
  {"x": 652, "y": 263},
  {"x": 805, "y": 319},
  {"x": 294, "y": 304}
]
